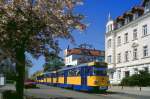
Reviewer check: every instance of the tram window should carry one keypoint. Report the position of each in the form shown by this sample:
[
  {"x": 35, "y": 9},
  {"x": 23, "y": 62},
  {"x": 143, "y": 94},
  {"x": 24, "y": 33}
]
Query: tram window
[
  {"x": 61, "y": 74},
  {"x": 53, "y": 75},
  {"x": 73, "y": 72},
  {"x": 78, "y": 72},
  {"x": 99, "y": 72},
  {"x": 70, "y": 72}
]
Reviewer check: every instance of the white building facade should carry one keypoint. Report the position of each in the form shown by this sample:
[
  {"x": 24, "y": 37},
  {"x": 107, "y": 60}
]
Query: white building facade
[
  {"x": 78, "y": 56},
  {"x": 127, "y": 43}
]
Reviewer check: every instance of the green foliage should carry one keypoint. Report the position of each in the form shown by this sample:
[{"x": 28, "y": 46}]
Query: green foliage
[
  {"x": 9, "y": 94},
  {"x": 10, "y": 76},
  {"x": 53, "y": 64},
  {"x": 35, "y": 27},
  {"x": 141, "y": 79}
]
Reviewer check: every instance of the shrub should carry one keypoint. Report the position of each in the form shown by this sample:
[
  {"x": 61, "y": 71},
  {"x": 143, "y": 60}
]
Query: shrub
[
  {"x": 9, "y": 94},
  {"x": 141, "y": 79}
]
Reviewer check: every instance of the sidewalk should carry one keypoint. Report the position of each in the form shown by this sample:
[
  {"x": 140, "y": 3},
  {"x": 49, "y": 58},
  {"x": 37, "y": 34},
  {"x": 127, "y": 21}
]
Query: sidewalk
[
  {"x": 8, "y": 87},
  {"x": 145, "y": 91}
]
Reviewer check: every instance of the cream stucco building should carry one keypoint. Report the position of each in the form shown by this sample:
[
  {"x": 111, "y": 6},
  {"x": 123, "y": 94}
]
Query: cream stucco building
[{"x": 127, "y": 43}]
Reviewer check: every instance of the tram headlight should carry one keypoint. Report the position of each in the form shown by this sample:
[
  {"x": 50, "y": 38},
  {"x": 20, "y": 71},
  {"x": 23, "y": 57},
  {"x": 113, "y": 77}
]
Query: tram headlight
[{"x": 96, "y": 82}]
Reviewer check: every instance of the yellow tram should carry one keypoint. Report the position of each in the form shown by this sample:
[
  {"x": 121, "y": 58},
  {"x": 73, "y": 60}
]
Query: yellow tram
[{"x": 88, "y": 77}]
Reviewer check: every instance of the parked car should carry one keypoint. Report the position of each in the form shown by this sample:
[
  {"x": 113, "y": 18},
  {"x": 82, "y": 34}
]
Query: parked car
[{"x": 30, "y": 84}]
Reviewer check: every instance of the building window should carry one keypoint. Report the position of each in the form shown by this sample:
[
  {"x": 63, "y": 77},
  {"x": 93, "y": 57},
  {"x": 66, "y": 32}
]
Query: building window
[
  {"x": 135, "y": 54},
  {"x": 109, "y": 43},
  {"x": 126, "y": 38},
  {"x": 119, "y": 24},
  {"x": 147, "y": 7},
  {"x": 119, "y": 74},
  {"x": 126, "y": 56},
  {"x": 127, "y": 73},
  {"x": 109, "y": 59},
  {"x": 145, "y": 51},
  {"x": 111, "y": 75},
  {"x": 119, "y": 58},
  {"x": 136, "y": 15},
  {"x": 134, "y": 34},
  {"x": 111, "y": 27},
  {"x": 127, "y": 20},
  {"x": 144, "y": 30},
  {"x": 107, "y": 29},
  {"x": 119, "y": 41}
]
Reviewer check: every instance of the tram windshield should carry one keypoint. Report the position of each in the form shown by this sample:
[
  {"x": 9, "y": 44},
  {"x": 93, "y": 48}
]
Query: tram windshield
[{"x": 100, "y": 71}]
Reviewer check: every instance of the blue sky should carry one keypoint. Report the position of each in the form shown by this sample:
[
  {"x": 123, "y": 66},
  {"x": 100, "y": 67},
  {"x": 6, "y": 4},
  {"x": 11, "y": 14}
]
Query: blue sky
[{"x": 96, "y": 12}]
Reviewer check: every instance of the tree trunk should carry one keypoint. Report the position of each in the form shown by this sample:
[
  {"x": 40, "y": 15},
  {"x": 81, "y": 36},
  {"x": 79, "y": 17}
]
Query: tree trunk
[{"x": 20, "y": 69}]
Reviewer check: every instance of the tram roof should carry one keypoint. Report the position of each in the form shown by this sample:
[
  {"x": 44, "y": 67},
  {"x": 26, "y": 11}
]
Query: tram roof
[{"x": 82, "y": 65}]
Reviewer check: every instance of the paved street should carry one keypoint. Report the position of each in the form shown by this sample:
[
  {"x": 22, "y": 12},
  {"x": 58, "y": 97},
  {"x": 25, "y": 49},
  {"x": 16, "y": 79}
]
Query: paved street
[{"x": 47, "y": 91}]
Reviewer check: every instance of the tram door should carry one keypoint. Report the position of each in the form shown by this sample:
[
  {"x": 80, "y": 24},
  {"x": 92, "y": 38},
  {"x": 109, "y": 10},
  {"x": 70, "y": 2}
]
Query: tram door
[
  {"x": 52, "y": 78},
  {"x": 65, "y": 77},
  {"x": 83, "y": 76},
  {"x": 56, "y": 77}
]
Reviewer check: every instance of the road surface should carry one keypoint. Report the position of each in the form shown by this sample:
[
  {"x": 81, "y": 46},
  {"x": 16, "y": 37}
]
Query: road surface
[{"x": 46, "y": 92}]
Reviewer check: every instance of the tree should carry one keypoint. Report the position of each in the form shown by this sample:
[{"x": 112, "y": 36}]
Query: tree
[
  {"x": 34, "y": 26},
  {"x": 53, "y": 63}
]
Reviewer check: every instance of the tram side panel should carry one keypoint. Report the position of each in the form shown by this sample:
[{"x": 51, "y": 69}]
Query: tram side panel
[{"x": 74, "y": 77}]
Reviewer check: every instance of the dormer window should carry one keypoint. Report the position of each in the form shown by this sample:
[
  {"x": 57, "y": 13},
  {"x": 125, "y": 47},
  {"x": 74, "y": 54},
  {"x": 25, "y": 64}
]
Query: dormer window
[
  {"x": 137, "y": 12},
  {"x": 136, "y": 15},
  {"x": 120, "y": 24},
  {"x": 120, "y": 21},
  {"x": 127, "y": 20},
  {"x": 147, "y": 7},
  {"x": 127, "y": 17}
]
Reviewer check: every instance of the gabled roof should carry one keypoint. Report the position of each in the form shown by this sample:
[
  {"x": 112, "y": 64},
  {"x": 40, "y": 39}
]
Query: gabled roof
[
  {"x": 127, "y": 14},
  {"x": 137, "y": 9},
  {"x": 120, "y": 18},
  {"x": 81, "y": 51}
]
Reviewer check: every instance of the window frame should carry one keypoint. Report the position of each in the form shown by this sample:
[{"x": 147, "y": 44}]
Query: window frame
[
  {"x": 119, "y": 58},
  {"x": 145, "y": 30},
  {"x": 109, "y": 59},
  {"x": 146, "y": 8},
  {"x": 119, "y": 41},
  {"x": 135, "y": 54},
  {"x": 126, "y": 38},
  {"x": 126, "y": 57},
  {"x": 145, "y": 51},
  {"x": 135, "y": 32}
]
